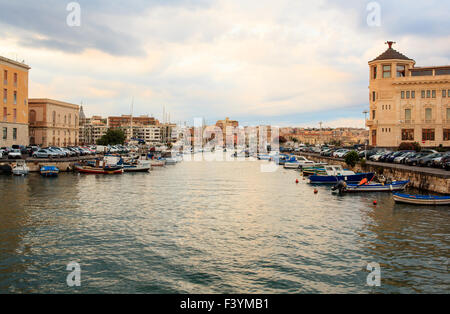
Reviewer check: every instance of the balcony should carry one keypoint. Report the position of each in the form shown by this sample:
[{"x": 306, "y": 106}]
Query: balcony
[{"x": 370, "y": 123}]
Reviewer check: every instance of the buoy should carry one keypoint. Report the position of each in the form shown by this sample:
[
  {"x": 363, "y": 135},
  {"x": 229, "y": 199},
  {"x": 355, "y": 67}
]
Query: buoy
[
  {"x": 316, "y": 191},
  {"x": 296, "y": 181},
  {"x": 375, "y": 202}
]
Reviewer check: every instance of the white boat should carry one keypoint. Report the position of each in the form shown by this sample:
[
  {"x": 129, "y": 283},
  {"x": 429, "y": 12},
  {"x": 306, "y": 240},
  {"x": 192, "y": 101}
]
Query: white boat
[
  {"x": 137, "y": 166},
  {"x": 157, "y": 163},
  {"x": 301, "y": 161},
  {"x": 20, "y": 169},
  {"x": 171, "y": 161}
]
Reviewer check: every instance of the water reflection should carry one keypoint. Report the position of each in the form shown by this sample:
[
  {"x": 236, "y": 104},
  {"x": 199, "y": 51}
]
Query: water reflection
[{"x": 213, "y": 227}]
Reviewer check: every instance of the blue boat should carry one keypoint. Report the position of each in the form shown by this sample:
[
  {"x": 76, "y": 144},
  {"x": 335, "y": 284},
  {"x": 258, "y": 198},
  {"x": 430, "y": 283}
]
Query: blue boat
[
  {"x": 334, "y": 174},
  {"x": 377, "y": 187},
  {"x": 421, "y": 199},
  {"x": 49, "y": 171}
]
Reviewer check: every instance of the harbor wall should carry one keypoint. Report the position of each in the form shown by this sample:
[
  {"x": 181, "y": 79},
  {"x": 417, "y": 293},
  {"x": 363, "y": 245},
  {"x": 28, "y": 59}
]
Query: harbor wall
[{"x": 433, "y": 180}]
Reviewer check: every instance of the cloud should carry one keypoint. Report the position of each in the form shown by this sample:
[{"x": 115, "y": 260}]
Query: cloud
[{"x": 285, "y": 61}]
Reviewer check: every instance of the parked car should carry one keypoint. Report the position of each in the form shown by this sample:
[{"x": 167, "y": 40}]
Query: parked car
[
  {"x": 414, "y": 159},
  {"x": 15, "y": 154},
  {"x": 428, "y": 160},
  {"x": 45, "y": 153},
  {"x": 437, "y": 162},
  {"x": 399, "y": 159}
]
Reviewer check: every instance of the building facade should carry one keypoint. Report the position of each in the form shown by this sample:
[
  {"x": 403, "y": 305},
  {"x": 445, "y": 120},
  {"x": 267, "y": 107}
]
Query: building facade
[
  {"x": 53, "y": 123},
  {"x": 408, "y": 103},
  {"x": 125, "y": 121},
  {"x": 14, "y": 89}
]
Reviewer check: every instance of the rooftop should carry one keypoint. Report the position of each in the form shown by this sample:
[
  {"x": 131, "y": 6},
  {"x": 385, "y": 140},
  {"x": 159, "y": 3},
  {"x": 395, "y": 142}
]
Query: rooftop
[{"x": 391, "y": 54}]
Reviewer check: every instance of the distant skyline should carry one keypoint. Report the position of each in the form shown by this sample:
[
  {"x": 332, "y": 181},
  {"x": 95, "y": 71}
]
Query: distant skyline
[{"x": 285, "y": 62}]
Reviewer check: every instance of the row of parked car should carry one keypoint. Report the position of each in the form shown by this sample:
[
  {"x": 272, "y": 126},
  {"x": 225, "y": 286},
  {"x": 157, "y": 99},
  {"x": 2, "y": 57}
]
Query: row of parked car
[
  {"x": 18, "y": 151},
  {"x": 424, "y": 158}
]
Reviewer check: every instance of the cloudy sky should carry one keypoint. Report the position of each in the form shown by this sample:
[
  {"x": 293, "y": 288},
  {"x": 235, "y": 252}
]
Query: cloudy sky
[{"x": 284, "y": 62}]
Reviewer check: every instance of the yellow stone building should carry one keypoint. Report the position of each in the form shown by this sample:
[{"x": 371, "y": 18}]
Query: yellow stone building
[
  {"x": 408, "y": 103},
  {"x": 53, "y": 123},
  {"x": 14, "y": 103}
]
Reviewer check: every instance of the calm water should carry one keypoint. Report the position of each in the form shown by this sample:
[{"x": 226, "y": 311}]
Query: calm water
[{"x": 213, "y": 227}]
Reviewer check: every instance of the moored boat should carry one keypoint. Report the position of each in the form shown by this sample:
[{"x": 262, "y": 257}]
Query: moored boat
[
  {"x": 49, "y": 171},
  {"x": 20, "y": 169},
  {"x": 98, "y": 170},
  {"x": 137, "y": 166},
  {"x": 334, "y": 174},
  {"x": 377, "y": 187},
  {"x": 421, "y": 199}
]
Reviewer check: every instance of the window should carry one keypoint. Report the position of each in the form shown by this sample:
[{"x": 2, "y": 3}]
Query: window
[
  {"x": 373, "y": 114},
  {"x": 408, "y": 135},
  {"x": 433, "y": 93},
  {"x": 374, "y": 72},
  {"x": 444, "y": 92},
  {"x": 5, "y": 133},
  {"x": 448, "y": 114},
  {"x": 401, "y": 71},
  {"x": 408, "y": 115},
  {"x": 408, "y": 94},
  {"x": 413, "y": 94},
  {"x": 423, "y": 94},
  {"x": 428, "y": 93},
  {"x": 15, "y": 134},
  {"x": 403, "y": 95},
  {"x": 5, "y": 77},
  {"x": 5, "y": 95},
  {"x": 15, "y": 114},
  {"x": 428, "y": 114},
  {"x": 386, "y": 71},
  {"x": 428, "y": 135},
  {"x": 446, "y": 134},
  {"x": 5, "y": 114},
  {"x": 15, "y": 98},
  {"x": 374, "y": 96},
  {"x": 15, "y": 79}
]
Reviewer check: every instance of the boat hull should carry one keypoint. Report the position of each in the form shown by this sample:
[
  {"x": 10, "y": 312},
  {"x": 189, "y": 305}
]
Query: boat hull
[
  {"x": 49, "y": 171},
  {"x": 394, "y": 186},
  {"x": 355, "y": 178},
  {"x": 90, "y": 170},
  {"x": 421, "y": 200},
  {"x": 136, "y": 169}
]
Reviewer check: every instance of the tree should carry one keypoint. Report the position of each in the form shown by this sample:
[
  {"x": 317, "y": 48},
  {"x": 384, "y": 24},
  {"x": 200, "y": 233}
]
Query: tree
[
  {"x": 112, "y": 137},
  {"x": 281, "y": 139},
  {"x": 352, "y": 158},
  {"x": 410, "y": 146}
]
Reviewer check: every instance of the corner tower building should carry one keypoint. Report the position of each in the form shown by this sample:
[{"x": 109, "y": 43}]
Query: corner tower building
[{"x": 408, "y": 103}]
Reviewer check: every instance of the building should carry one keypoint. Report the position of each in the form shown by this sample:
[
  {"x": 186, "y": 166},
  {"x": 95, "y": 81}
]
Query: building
[
  {"x": 341, "y": 136},
  {"x": 152, "y": 135},
  {"x": 91, "y": 129},
  {"x": 53, "y": 123},
  {"x": 14, "y": 88},
  {"x": 124, "y": 121},
  {"x": 223, "y": 125},
  {"x": 408, "y": 103}
]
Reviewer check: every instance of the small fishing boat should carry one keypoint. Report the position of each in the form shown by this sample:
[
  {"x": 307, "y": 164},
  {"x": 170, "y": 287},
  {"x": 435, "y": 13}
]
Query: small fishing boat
[
  {"x": 300, "y": 162},
  {"x": 377, "y": 187},
  {"x": 421, "y": 199},
  {"x": 334, "y": 174},
  {"x": 99, "y": 170},
  {"x": 157, "y": 163},
  {"x": 49, "y": 171},
  {"x": 137, "y": 166},
  {"x": 314, "y": 170},
  {"x": 20, "y": 169}
]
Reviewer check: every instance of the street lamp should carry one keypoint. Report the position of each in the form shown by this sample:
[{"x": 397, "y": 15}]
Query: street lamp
[{"x": 365, "y": 112}]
